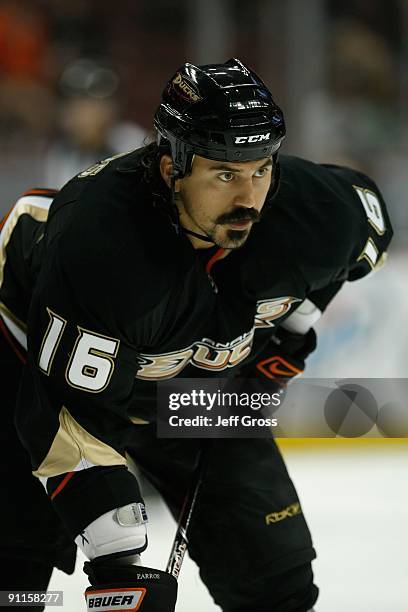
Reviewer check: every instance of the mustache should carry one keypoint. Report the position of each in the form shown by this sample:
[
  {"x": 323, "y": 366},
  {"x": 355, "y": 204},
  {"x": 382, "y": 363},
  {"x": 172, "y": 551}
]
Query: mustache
[{"x": 240, "y": 214}]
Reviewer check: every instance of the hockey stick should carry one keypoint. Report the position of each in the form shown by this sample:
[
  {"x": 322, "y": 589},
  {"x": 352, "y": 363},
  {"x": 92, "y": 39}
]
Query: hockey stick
[{"x": 180, "y": 542}]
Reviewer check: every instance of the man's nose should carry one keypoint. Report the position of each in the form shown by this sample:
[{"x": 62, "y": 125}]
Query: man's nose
[{"x": 245, "y": 196}]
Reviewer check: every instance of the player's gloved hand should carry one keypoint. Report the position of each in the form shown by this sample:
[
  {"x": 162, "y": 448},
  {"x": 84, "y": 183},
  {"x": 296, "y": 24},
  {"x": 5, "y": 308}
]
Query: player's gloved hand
[
  {"x": 284, "y": 356},
  {"x": 129, "y": 587},
  {"x": 279, "y": 362}
]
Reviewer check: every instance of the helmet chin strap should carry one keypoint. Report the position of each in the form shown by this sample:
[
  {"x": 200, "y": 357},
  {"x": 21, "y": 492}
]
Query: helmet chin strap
[
  {"x": 200, "y": 236},
  {"x": 175, "y": 175}
]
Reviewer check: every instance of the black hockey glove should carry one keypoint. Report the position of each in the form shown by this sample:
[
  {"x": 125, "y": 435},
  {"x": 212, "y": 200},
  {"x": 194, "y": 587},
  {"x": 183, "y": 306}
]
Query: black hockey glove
[
  {"x": 276, "y": 365},
  {"x": 129, "y": 587},
  {"x": 282, "y": 358}
]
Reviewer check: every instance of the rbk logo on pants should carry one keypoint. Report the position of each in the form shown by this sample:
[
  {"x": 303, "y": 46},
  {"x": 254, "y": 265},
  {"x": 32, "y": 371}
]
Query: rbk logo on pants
[{"x": 289, "y": 512}]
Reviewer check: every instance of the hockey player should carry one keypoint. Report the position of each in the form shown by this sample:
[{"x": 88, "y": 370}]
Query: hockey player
[{"x": 199, "y": 255}]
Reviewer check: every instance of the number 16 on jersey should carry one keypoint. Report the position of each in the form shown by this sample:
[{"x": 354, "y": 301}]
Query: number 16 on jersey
[{"x": 91, "y": 364}]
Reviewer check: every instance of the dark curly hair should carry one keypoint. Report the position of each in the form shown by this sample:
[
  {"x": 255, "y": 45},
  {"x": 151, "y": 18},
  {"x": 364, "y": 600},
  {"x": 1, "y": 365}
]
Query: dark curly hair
[
  {"x": 163, "y": 198},
  {"x": 151, "y": 154}
]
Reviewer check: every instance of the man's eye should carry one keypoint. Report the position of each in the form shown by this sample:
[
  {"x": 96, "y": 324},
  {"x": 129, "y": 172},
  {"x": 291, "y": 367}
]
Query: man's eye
[
  {"x": 226, "y": 176},
  {"x": 262, "y": 171}
]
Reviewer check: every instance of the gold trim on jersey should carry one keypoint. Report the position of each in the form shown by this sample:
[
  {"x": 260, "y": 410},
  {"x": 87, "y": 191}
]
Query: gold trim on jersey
[
  {"x": 74, "y": 446},
  {"x": 36, "y": 212},
  {"x": 138, "y": 421},
  {"x": 372, "y": 209},
  {"x": 382, "y": 261},
  {"x": 53, "y": 317},
  {"x": 7, "y": 313},
  {"x": 101, "y": 355},
  {"x": 369, "y": 253}
]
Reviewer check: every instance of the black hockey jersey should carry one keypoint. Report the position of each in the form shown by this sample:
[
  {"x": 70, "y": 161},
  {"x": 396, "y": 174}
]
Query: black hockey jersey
[{"x": 116, "y": 300}]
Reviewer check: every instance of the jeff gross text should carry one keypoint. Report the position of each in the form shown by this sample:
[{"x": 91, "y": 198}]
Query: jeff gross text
[{"x": 216, "y": 400}]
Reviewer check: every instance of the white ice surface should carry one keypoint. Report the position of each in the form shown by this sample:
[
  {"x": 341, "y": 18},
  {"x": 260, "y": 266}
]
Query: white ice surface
[{"x": 356, "y": 505}]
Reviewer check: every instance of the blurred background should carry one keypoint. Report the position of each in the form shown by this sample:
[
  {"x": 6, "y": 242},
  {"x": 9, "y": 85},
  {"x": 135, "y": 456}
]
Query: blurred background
[{"x": 80, "y": 81}]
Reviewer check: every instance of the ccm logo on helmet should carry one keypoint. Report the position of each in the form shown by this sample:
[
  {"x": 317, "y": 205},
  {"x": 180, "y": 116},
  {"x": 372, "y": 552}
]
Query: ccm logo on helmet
[{"x": 253, "y": 138}]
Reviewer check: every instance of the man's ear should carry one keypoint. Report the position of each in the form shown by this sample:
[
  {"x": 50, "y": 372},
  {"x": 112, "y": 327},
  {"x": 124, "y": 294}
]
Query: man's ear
[{"x": 166, "y": 170}]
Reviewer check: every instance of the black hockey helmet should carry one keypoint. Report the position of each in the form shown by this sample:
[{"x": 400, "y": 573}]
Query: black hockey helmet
[{"x": 218, "y": 111}]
